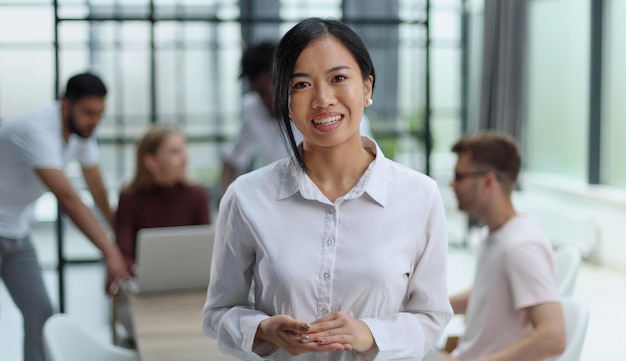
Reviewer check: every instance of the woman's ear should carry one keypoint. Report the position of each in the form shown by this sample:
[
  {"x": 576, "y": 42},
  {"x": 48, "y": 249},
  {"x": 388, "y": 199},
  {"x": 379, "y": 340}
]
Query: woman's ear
[
  {"x": 149, "y": 162},
  {"x": 368, "y": 87}
]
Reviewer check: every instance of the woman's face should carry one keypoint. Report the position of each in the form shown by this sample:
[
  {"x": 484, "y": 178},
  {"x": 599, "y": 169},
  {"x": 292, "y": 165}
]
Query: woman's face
[
  {"x": 327, "y": 94},
  {"x": 168, "y": 164}
]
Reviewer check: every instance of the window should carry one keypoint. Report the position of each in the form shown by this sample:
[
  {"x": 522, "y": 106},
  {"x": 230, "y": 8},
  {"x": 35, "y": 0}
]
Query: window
[
  {"x": 614, "y": 76},
  {"x": 558, "y": 83}
]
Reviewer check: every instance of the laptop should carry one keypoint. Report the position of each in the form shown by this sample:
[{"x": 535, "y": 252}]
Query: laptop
[{"x": 171, "y": 259}]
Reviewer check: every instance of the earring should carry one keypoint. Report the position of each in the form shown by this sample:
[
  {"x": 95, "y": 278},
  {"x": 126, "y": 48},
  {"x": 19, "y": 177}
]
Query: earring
[{"x": 369, "y": 102}]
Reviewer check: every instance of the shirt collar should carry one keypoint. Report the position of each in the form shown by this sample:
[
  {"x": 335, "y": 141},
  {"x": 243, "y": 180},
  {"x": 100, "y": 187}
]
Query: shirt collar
[{"x": 373, "y": 182}]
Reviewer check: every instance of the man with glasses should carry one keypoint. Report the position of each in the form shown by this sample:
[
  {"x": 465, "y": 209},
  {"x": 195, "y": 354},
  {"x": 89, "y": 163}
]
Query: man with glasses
[{"x": 513, "y": 310}]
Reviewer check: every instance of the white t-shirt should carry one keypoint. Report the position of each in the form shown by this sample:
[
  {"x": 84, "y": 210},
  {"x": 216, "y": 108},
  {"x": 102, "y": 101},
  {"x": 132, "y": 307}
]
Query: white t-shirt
[
  {"x": 378, "y": 253},
  {"x": 259, "y": 141},
  {"x": 34, "y": 141},
  {"x": 515, "y": 270}
]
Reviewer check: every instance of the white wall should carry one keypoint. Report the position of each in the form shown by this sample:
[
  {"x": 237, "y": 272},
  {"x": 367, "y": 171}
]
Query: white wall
[
  {"x": 590, "y": 217},
  {"x": 578, "y": 212}
]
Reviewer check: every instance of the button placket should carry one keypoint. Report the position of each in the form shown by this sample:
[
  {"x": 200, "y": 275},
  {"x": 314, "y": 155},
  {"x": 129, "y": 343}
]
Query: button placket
[{"x": 324, "y": 304}]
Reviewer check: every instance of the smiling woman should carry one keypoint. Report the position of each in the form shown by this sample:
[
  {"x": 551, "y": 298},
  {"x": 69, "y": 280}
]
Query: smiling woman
[
  {"x": 328, "y": 94},
  {"x": 346, "y": 249}
]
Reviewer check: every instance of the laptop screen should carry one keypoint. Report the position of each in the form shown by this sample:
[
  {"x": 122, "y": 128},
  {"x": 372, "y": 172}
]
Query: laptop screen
[{"x": 173, "y": 258}]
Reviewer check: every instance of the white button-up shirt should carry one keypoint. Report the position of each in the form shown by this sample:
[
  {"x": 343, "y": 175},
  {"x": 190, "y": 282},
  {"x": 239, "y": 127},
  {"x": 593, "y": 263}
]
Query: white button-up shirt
[{"x": 378, "y": 253}]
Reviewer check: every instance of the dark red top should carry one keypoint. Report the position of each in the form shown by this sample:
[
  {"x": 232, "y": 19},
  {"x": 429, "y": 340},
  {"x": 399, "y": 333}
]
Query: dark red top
[{"x": 159, "y": 206}]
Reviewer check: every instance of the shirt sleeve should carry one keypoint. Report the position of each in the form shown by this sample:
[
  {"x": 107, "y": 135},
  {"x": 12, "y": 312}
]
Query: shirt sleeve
[
  {"x": 38, "y": 148},
  {"x": 234, "y": 327},
  {"x": 125, "y": 228},
  {"x": 416, "y": 329},
  {"x": 88, "y": 154},
  {"x": 531, "y": 273}
]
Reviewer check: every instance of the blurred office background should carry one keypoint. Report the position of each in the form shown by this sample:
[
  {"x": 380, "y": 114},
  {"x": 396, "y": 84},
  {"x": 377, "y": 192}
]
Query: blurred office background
[{"x": 550, "y": 72}]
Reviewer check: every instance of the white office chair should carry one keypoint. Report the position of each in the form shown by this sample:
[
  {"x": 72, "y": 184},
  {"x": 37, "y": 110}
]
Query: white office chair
[
  {"x": 567, "y": 261},
  {"x": 65, "y": 340},
  {"x": 576, "y": 320}
]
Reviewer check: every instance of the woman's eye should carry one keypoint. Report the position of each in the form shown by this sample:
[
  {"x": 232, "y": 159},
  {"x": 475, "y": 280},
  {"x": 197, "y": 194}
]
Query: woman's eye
[
  {"x": 300, "y": 85},
  {"x": 339, "y": 78}
]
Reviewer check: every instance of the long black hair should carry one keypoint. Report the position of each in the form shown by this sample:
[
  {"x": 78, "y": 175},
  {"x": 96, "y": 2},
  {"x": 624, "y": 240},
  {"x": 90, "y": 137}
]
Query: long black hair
[{"x": 289, "y": 49}]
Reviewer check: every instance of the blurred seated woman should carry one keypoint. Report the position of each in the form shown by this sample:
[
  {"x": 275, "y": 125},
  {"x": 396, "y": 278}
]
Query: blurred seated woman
[{"x": 158, "y": 196}]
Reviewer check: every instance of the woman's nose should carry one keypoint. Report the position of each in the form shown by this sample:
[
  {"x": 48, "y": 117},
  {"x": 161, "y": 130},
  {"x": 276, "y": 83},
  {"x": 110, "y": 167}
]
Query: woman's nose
[{"x": 324, "y": 97}]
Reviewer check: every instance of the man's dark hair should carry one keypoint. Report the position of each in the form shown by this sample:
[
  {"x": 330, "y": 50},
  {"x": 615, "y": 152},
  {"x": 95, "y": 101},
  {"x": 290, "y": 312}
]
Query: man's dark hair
[
  {"x": 84, "y": 85},
  {"x": 257, "y": 60}
]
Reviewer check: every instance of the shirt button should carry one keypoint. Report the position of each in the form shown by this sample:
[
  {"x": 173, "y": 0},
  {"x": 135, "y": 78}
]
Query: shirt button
[
  {"x": 329, "y": 241},
  {"x": 326, "y": 275},
  {"x": 331, "y": 210},
  {"x": 324, "y": 311}
]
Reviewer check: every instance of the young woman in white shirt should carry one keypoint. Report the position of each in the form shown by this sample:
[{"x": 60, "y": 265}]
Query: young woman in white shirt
[{"x": 346, "y": 249}]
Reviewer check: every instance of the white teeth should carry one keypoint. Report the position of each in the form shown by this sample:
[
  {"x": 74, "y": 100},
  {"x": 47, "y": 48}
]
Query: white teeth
[{"x": 328, "y": 120}]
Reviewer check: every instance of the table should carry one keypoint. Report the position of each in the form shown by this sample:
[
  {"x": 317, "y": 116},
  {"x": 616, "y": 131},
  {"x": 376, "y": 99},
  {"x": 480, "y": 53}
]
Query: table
[{"x": 168, "y": 327}]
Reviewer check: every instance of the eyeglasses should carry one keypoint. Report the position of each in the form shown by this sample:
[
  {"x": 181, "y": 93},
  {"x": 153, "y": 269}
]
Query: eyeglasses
[{"x": 459, "y": 176}]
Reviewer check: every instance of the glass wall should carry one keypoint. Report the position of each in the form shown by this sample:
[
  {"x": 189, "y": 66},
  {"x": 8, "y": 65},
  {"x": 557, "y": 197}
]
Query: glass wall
[
  {"x": 182, "y": 68},
  {"x": 475, "y": 32},
  {"x": 177, "y": 61},
  {"x": 26, "y": 57},
  {"x": 180, "y": 64},
  {"x": 445, "y": 70},
  {"x": 558, "y": 125},
  {"x": 614, "y": 77},
  {"x": 558, "y": 87}
]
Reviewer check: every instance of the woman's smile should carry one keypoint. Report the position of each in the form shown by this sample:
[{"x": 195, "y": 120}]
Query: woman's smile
[{"x": 327, "y": 122}]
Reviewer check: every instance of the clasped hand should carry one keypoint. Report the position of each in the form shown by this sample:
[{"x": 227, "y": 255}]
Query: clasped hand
[{"x": 335, "y": 332}]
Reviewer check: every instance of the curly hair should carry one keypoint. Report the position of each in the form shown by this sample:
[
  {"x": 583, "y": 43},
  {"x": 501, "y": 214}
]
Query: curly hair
[{"x": 257, "y": 60}]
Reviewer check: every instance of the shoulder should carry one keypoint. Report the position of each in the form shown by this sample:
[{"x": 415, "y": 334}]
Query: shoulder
[
  {"x": 41, "y": 120},
  {"x": 524, "y": 230},
  {"x": 127, "y": 199},
  {"x": 35, "y": 138},
  {"x": 254, "y": 109},
  {"x": 394, "y": 171},
  {"x": 261, "y": 182},
  {"x": 250, "y": 99},
  {"x": 403, "y": 171},
  {"x": 260, "y": 176},
  {"x": 196, "y": 190},
  {"x": 192, "y": 194},
  {"x": 406, "y": 178},
  {"x": 128, "y": 194},
  {"x": 524, "y": 239}
]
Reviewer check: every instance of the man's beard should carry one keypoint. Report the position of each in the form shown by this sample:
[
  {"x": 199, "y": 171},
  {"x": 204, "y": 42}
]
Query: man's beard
[{"x": 71, "y": 125}]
